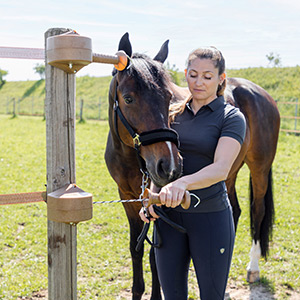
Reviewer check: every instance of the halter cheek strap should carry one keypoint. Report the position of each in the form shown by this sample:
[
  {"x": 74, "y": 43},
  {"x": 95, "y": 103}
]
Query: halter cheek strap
[{"x": 145, "y": 138}]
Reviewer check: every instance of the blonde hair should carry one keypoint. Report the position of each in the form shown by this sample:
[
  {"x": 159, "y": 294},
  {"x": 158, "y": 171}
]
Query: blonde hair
[{"x": 217, "y": 58}]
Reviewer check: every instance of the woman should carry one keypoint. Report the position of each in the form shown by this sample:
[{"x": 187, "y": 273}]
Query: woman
[{"x": 211, "y": 133}]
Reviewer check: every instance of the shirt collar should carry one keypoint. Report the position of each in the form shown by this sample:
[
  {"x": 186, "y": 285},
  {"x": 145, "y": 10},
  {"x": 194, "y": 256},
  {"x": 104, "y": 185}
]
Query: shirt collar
[{"x": 213, "y": 105}]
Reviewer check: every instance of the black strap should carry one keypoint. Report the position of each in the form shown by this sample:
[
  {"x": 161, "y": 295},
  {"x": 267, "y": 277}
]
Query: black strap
[
  {"x": 123, "y": 119},
  {"x": 145, "y": 138},
  {"x": 159, "y": 135},
  {"x": 143, "y": 235},
  {"x": 160, "y": 212}
]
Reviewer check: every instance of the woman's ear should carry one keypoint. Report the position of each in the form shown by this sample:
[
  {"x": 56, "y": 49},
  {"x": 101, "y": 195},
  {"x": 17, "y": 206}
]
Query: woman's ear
[
  {"x": 222, "y": 78},
  {"x": 221, "y": 85}
]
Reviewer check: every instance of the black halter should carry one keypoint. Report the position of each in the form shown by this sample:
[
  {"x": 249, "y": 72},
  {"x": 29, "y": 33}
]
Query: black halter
[{"x": 144, "y": 138}]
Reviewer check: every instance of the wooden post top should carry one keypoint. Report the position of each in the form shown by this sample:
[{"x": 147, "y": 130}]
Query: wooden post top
[
  {"x": 71, "y": 52},
  {"x": 69, "y": 204}
]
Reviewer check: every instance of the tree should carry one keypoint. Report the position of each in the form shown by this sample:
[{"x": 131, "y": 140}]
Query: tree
[
  {"x": 40, "y": 69},
  {"x": 274, "y": 59},
  {"x": 2, "y": 74}
]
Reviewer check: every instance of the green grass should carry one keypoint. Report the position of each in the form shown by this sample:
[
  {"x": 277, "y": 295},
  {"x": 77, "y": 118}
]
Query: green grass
[
  {"x": 283, "y": 84},
  {"x": 279, "y": 82},
  {"x": 104, "y": 264},
  {"x": 29, "y": 97}
]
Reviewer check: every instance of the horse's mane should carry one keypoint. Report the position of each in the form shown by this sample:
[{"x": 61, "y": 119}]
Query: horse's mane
[{"x": 148, "y": 73}]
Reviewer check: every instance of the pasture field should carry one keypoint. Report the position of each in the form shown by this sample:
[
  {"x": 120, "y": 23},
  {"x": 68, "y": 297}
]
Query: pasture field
[
  {"x": 104, "y": 264},
  {"x": 281, "y": 83}
]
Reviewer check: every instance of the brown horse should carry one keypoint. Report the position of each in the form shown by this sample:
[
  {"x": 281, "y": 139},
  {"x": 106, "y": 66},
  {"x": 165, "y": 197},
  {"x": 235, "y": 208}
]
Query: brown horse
[
  {"x": 141, "y": 95},
  {"x": 258, "y": 152},
  {"x": 139, "y": 99}
]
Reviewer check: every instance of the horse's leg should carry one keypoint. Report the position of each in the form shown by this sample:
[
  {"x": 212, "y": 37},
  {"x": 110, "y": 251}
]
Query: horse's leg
[
  {"x": 231, "y": 179},
  {"x": 138, "y": 286},
  {"x": 262, "y": 216},
  {"x": 236, "y": 210},
  {"x": 156, "y": 293},
  {"x": 136, "y": 226}
]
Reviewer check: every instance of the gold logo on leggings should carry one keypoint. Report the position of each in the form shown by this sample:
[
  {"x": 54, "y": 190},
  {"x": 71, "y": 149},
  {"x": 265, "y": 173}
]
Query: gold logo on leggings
[{"x": 222, "y": 250}]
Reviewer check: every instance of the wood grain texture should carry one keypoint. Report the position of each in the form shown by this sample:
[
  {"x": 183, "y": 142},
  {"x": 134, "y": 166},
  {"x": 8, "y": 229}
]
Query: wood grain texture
[{"x": 60, "y": 135}]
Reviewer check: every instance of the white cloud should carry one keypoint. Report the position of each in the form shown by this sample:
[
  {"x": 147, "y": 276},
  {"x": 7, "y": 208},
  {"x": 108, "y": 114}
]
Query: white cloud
[
  {"x": 244, "y": 30},
  {"x": 56, "y": 20}
]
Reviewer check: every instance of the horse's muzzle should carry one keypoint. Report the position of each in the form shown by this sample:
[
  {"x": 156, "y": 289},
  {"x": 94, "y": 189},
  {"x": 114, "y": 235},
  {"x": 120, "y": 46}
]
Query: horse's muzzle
[{"x": 165, "y": 170}]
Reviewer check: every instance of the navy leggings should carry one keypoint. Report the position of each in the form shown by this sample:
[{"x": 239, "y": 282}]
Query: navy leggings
[{"x": 208, "y": 243}]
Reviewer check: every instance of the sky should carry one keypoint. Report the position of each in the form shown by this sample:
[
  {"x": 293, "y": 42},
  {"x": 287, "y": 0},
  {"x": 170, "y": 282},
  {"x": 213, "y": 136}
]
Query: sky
[{"x": 244, "y": 30}]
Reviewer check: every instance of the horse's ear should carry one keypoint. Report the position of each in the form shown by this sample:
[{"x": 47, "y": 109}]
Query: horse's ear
[
  {"x": 125, "y": 44},
  {"x": 163, "y": 52}
]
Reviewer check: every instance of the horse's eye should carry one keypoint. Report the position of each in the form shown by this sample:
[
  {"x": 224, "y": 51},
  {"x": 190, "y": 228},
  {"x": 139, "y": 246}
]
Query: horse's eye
[{"x": 128, "y": 99}]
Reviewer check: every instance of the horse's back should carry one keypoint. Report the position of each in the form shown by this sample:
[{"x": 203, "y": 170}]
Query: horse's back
[
  {"x": 179, "y": 93},
  {"x": 261, "y": 113},
  {"x": 250, "y": 98}
]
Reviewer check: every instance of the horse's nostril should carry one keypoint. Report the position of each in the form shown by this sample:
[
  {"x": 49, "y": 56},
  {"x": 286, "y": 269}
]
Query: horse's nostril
[
  {"x": 160, "y": 168},
  {"x": 173, "y": 175},
  {"x": 164, "y": 170}
]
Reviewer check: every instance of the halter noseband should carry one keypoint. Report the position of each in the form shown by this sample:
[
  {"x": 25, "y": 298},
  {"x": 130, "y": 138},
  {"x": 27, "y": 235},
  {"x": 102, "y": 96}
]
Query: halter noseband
[{"x": 144, "y": 138}]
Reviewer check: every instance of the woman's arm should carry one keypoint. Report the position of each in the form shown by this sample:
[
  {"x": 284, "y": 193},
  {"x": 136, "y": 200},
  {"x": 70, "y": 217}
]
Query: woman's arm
[{"x": 226, "y": 152}]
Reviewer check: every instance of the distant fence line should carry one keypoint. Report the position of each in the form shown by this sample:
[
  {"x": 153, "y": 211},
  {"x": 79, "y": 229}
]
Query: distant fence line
[
  {"x": 93, "y": 109},
  {"x": 97, "y": 109},
  {"x": 290, "y": 115}
]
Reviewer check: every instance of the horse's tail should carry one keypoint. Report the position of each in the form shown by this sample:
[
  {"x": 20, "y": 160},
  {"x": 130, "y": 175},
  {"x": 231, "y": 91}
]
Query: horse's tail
[{"x": 268, "y": 219}]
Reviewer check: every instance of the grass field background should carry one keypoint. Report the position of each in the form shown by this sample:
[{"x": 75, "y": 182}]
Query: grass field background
[
  {"x": 104, "y": 264},
  {"x": 283, "y": 84}
]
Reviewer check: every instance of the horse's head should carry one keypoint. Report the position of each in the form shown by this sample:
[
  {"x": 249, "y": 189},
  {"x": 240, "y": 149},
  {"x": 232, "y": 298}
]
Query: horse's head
[{"x": 141, "y": 94}]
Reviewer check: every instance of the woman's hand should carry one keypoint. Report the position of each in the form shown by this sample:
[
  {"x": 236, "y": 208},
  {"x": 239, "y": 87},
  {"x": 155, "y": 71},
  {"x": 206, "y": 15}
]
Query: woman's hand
[
  {"x": 153, "y": 215},
  {"x": 171, "y": 195}
]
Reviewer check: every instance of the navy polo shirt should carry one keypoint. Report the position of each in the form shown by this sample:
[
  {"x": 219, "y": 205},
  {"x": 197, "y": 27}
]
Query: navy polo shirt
[{"x": 199, "y": 135}]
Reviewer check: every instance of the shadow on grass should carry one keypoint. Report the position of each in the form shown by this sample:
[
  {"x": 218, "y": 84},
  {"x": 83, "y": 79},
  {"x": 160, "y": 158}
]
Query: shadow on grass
[
  {"x": 264, "y": 289},
  {"x": 256, "y": 292},
  {"x": 268, "y": 284},
  {"x": 30, "y": 90}
]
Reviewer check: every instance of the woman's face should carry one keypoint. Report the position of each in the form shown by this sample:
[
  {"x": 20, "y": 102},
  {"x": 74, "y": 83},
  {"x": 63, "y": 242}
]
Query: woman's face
[{"x": 203, "y": 79}]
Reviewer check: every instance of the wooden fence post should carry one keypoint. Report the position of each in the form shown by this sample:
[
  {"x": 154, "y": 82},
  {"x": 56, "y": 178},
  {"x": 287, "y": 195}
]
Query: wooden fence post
[
  {"x": 7, "y": 105},
  {"x": 32, "y": 106},
  {"x": 99, "y": 108},
  {"x": 296, "y": 114},
  {"x": 14, "y": 108},
  {"x": 60, "y": 135},
  {"x": 81, "y": 111}
]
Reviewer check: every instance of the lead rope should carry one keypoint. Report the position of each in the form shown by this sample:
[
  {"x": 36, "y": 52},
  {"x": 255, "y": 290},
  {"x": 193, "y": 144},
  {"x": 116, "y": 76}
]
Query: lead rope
[
  {"x": 145, "y": 184},
  {"x": 143, "y": 235}
]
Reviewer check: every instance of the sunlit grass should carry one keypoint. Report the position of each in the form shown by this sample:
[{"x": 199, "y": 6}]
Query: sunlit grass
[{"x": 104, "y": 264}]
